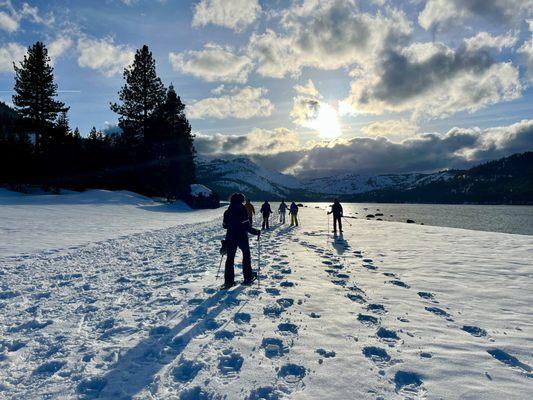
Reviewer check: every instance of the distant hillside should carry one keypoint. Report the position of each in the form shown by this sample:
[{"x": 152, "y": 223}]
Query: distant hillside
[
  {"x": 8, "y": 118},
  {"x": 240, "y": 174},
  {"x": 505, "y": 181}
]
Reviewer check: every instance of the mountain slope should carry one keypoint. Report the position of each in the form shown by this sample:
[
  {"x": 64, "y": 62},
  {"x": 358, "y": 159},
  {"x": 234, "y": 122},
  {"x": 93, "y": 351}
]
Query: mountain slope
[{"x": 508, "y": 180}]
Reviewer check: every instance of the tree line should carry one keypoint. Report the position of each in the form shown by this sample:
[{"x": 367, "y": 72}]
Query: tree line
[{"x": 153, "y": 153}]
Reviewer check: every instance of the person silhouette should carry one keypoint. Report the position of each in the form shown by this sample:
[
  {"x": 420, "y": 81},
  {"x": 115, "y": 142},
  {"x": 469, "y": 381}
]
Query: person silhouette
[
  {"x": 293, "y": 211},
  {"x": 282, "y": 209},
  {"x": 250, "y": 210},
  {"x": 266, "y": 211},
  {"x": 237, "y": 227},
  {"x": 336, "y": 210}
]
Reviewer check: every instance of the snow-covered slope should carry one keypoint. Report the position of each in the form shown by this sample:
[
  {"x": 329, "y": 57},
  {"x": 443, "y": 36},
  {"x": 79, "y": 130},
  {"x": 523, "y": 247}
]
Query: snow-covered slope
[
  {"x": 349, "y": 183},
  {"x": 243, "y": 175},
  {"x": 30, "y": 223},
  {"x": 389, "y": 311}
]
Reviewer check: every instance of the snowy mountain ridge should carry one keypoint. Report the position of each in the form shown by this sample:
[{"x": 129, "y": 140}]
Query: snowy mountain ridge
[
  {"x": 507, "y": 180},
  {"x": 227, "y": 175}
]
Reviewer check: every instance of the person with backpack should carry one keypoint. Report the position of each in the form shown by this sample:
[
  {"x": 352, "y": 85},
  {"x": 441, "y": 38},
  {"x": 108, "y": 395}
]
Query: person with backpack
[
  {"x": 250, "y": 210},
  {"x": 293, "y": 211},
  {"x": 282, "y": 209},
  {"x": 266, "y": 211},
  {"x": 237, "y": 227},
  {"x": 336, "y": 210}
]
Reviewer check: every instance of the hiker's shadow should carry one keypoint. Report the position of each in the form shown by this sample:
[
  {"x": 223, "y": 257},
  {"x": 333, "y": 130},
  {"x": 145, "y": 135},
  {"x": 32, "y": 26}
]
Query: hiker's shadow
[
  {"x": 340, "y": 244},
  {"x": 137, "y": 367}
]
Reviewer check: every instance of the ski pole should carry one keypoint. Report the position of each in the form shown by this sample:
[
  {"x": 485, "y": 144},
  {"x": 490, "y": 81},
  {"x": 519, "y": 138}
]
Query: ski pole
[
  {"x": 346, "y": 221},
  {"x": 219, "y": 265},
  {"x": 258, "y": 258}
]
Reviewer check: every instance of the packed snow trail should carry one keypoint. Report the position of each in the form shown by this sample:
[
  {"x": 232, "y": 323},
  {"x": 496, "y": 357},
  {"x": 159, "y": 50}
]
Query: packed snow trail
[{"x": 389, "y": 311}]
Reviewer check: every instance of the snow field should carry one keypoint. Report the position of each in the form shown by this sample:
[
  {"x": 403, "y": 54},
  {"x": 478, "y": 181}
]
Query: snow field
[{"x": 388, "y": 311}]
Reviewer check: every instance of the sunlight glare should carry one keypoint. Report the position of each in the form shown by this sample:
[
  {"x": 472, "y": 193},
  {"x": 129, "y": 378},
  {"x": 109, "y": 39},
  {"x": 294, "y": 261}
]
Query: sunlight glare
[{"x": 326, "y": 122}]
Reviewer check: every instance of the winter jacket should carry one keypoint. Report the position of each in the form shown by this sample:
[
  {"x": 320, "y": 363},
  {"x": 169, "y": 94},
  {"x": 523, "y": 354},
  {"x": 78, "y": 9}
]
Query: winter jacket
[
  {"x": 336, "y": 209},
  {"x": 237, "y": 224},
  {"x": 266, "y": 210},
  {"x": 282, "y": 208},
  {"x": 294, "y": 208}
]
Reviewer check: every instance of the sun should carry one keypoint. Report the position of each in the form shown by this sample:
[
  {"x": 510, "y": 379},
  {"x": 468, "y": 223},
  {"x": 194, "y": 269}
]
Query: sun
[{"x": 326, "y": 122}]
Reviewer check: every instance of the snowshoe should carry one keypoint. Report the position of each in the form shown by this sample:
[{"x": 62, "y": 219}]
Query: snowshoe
[{"x": 248, "y": 282}]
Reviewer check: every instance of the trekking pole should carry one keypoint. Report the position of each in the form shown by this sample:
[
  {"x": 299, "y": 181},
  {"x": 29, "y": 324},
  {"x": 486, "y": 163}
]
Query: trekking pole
[
  {"x": 346, "y": 220},
  {"x": 219, "y": 265},
  {"x": 258, "y": 258}
]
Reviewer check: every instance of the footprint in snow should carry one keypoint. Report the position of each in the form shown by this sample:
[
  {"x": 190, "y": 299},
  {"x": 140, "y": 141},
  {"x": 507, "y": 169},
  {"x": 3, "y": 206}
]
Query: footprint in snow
[
  {"x": 286, "y": 284},
  {"x": 408, "y": 383},
  {"x": 376, "y": 308},
  {"x": 285, "y": 302},
  {"x": 439, "y": 311},
  {"x": 370, "y": 267},
  {"x": 511, "y": 361},
  {"x": 376, "y": 354},
  {"x": 272, "y": 291},
  {"x": 326, "y": 354},
  {"x": 230, "y": 363},
  {"x": 367, "y": 320},
  {"x": 399, "y": 283},
  {"x": 49, "y": 368},
  {"x": 263, "y": 393},
  {"x": 474, "y": 330},
  {"x": 288, "y": 328},
  {"x": 356, "y": 298},
  {"x": 426, "y": 295},
  {"x": 273, "y": 310},
  {"x": 387, "y": 334},
  {"x": 292, "y": 373},
  {"x": 224, "y": 335},
  {"x": 186, "y": 370},
  {"x": 196, "y": 393},
  {"x": 274, "y": 347}
]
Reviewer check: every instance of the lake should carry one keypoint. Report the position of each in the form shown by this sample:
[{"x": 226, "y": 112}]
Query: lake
[{"x": 507, "y": 219}]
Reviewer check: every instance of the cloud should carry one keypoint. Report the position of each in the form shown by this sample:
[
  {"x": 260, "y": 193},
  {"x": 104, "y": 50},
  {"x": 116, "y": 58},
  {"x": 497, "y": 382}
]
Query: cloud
[
  {"x": 59, "y": 46},
  {"x": 243, "y": 104},
  {"x": 257, "y": 142},
  {"x": 326, "y": 34},
  {"x": 433, "y": 80},
  {"x": 484, "y": 40},
  {"x": 308, "y": 89},
  {"x": 458, "y": 148},
  {"x": 10, "y": 53},
  {"x": 11, "y": 17},
  {"x": 8, "y": 23},
  {"x": 103, "y": 55},
  {"x": 441, "y": 12},
  {"x": 394, "y": 129},
  {"x": 213, "y": 63},
  {"x": 526, "y": 51},
  {"x": 234, "y": 14}
]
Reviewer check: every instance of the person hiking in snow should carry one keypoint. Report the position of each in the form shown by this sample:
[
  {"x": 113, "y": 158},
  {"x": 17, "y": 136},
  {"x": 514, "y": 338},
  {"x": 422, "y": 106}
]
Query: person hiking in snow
[
  {"x": 336, "y": 210},
  {"x": 282, "y": 209},
  {"x": 250, "y": 210},
  {"x": 237, "y": 227},
  {"x": 293, "y": 211},
  {"x": 266, "y": 211}
]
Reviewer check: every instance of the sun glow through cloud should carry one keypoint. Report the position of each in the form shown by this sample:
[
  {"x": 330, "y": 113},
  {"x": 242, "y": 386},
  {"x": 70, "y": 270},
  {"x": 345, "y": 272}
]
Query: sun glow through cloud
[{"x": 326, "y": 122}]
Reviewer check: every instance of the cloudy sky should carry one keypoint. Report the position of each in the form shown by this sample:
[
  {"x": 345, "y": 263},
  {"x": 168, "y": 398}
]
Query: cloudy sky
[{"x": 303, "y": 85}]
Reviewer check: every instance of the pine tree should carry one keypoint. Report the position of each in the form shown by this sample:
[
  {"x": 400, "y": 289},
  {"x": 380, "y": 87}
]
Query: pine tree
[
  {"x": 96, "y": 135},
  {"x": 140, "y": 96},
  {"x": 36, "y": 91},
  {"x": 174, "y": 145}
]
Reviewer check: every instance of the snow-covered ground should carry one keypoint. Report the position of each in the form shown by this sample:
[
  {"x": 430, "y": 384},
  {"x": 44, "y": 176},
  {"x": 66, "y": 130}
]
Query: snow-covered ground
[
  {"x": 389, "y": 311},
  {"x": 30, "y": 223}
]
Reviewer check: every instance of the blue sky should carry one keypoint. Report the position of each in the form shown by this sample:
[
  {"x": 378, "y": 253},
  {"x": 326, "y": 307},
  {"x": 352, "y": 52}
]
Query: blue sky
[{"x": 305, "y": 84}]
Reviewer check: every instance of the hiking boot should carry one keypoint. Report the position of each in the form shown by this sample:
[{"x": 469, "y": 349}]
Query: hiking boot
[{"x": 250, "y": 281}]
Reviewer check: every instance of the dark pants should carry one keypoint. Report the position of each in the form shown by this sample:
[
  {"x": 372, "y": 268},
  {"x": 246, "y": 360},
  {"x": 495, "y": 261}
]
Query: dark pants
[
  {"x": 265, "y": 222},
  {"x": 337, "y": 218},
  {"x": 229, "y": 273},
  {"x": 251, "y": 219}
]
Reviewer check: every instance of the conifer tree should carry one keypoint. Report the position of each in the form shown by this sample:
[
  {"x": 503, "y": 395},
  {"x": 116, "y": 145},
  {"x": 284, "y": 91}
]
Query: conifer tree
[
  {"x": 35, "y": 91},
  {"x": 140, "y": 96},
  {"x": 174, "y": 145}
]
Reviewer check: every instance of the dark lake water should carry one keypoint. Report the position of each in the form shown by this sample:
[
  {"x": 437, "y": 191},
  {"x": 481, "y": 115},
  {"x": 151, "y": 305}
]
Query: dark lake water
[{"x": 507, "y": 219}]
